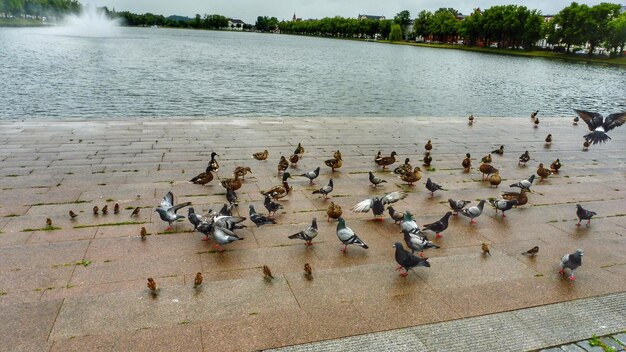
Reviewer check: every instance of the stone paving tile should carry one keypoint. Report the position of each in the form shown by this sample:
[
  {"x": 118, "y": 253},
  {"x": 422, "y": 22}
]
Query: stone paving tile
[{"x": 28, "y": 325}]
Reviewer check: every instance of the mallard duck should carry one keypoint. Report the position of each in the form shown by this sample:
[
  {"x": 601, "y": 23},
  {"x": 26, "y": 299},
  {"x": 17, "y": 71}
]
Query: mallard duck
[
  {"x": 555, "y": 166},
  {"x": 549, "y": 138},
  {"x": 283, "y": 164},
  {"x": 387, "y": 160},
  {"x": 428, "y": 146},
  {"x": 467, "y": 162},
  {"x": 204, "y": 177},
  {"x": 334, "y": 211},
  {"x": 281, "y": 190},
  {"x": 299, "y": 150},
  {"x": 495, "y": 179},
  {"x": 337, "y": 155},
  {"x": 334, "y": 163},
  {"x": 427, "y": 159},
  {"x": 215, "y": 166},
  {"x": 487, "y": 169},
  {"x": 404, "y": 168},
  {"x": 470, "y": 119},
  {"x": 520, "y": 196},
  {"x": 261, "y": 155},
  {"x": 586, "y": 145},
  {"x": 536, "y": 122},
  {"x": 378, "y": 157},
  {"x": 231, "y": 183},
  {"x": 412, "y": 177},
  {"x": 241, "y": 171},
  {"x": 523, "y": 158},
  {"x": 486, "y": 158},
  {"x": 576, "y": 119},
  {"x": 499, "y": 151},
  {"x": 543, "y": 172},
  {"x": 294, "y": 159},
  {"x": 534, "y": 114}
]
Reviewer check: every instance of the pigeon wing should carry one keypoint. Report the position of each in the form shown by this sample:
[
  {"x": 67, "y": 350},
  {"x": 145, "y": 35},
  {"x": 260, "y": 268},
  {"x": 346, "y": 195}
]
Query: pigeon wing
[
  {"x": 363, "y": 206},
  {"x": 168, "y": 201},
  {"x": 614, "y": 120},
  {"x": 394, "y": 197},
  {"x": 179, "y": 206},
  {"x": 592, "y": 119}
]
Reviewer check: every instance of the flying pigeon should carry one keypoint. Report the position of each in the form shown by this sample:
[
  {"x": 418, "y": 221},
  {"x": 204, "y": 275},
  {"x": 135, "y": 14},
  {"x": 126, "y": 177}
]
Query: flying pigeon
[
  {"x": 167, "y": 209},
  {"x": 407, "y": 260},
  {"x": 418, "y": 243},
  {"x": 503, "y": 205},
  {"x": 439, "y": 226},
  {"x": 599, "y": 125},
  {"x": 584, "y": 214},
  {"x": 307, "y": 234},
  {"x": 571, "y": 262},
  {"x": 432, "y": 187},
  {"x": 259, "y": 219},
  {"x": 312, "y": 175},
  {"x": 194, "y": 218},
  {"x": 271, "y": 206},
  {"x": 347, "y": 236},
  {"x": 376, "y": 180},
  {"x": 326, "y": 189},
  {"x": 409, "y": 225},
  {"x": 457, "y": 205},
  {"x": 377, "y": 204},
  {"x": 474, "y": 211},
  {"x": 524, "y": 184}
]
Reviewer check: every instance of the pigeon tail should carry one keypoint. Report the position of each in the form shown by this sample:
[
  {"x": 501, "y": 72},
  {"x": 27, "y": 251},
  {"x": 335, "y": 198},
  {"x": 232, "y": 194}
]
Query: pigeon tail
[{"x": 597, "y": 137}]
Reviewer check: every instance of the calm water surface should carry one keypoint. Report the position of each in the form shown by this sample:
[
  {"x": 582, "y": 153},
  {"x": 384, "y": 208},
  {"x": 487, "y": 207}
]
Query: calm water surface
[{"x": 183, "y": 73}]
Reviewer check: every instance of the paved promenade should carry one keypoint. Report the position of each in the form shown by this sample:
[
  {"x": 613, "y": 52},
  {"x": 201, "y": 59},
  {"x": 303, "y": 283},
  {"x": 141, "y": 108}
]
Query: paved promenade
[{"x": 80, "y": 284}]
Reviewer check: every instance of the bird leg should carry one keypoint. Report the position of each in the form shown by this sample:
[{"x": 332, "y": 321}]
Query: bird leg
[
  {"x": 345, "y": 248},
  {"x": 472, "y": 221},
  {"x": 579, "y": 220},
  {"x": 571, "y": 277},
  {"x": 309, "y": 243},
  {"x": 438, "y": 235},
  {"x": 561, "y": 271},
  {"x": 588, "y": 222},
  {"x": 399, "y": 268},
  {"x": 504, "y": 216},
  {"x": 169, "y": 228},
  {"x": 422, "y": 254},
  {"x": 206, "y": 238},
  {"x": 218, "y": 247},
  {"x": 404, "y": 274}
]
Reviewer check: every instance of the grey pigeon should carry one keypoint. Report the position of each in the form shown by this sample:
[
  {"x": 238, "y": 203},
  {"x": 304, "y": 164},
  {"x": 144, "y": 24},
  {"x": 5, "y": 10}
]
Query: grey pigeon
[
  {"x": 231, "y": 197},
  {"x": 407, "y": 260},
  {"x": 396, "y": 216},
  {"x": 474, "y": 211},
  {"x": 584, "y": 214},
  {"x": 307, "y": 234},
  {"x": 457, "y": 205},
  {"x": 259, "y": 219},
  {"x": 226, "y": 210},
  {"x": 432, "y": 187},
  {"x": 221, "y": 235},
  {"x": 326, "y": 189},
  {"x": 418, "y": 243},
  {"x": 347, "y": 236},
  {"x": 229, "y": 222},
  {"x": 377, "y": 204},
  {"x": 409, "y": 225},
  {"x": 439, "y": 226},
  {"x": 376, "y": 180},
  {"x": 599, "y": 125},
  {"x": 167, "y": 210},
  {"x": 271, "y": 206},
  {"x": 571, "y": 262},
  {"x": 312, "y": 175},
  {"x": 194, "y": 218},
  {"x": 503, "y": 205},
  {"x": 524, "y": 184}
]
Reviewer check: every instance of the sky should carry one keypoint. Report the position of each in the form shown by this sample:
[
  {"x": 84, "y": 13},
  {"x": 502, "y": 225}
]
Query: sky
[{"x": 248, "y": 10}]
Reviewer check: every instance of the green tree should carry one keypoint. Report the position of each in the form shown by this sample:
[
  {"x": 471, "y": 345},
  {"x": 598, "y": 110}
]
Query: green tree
[
  {"x": 396, "y": 33},
  {"x": 596, "y": 29},
  {"x": 444, "y": 25},
  {"x": 471, "y": 27},
  {"x": 422, "y": 23},
  {"x": 569, "y": 26},
  {"x": 616, "y": 38},
  {"x": 403, "y": 18}
]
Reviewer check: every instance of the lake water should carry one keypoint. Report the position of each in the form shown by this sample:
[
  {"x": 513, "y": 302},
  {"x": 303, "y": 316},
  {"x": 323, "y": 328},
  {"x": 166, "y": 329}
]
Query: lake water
[{"x": 143, "y": 72}]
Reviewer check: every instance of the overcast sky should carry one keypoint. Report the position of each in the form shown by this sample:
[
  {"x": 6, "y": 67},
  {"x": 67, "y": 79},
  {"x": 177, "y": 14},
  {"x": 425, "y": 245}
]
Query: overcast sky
[{"x": 248, "y": 10}]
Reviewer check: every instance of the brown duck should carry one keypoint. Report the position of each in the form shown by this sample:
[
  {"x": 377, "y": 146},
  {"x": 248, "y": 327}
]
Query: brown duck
[
  {"x": 543, "y": 172},
  {"x": 555, "y": 166},
  {"x": 499, "y": 151},
  {"x": 470, "y": 119},
  {"x": 487, "y": 169},
  {"x": 299, "y": 150},
  {"x": 467, "y": 162},
  {"x": 549, "y": 138},
  {"x": 486, "y": 158},
  {"x": 279, "y": 191},
  {"x": 412, "y": 177},
  {"x": 204, "y": 177},
  {"x": 232, "y": 183},
  {"x": 336, "y": 162},
  {"x": 521, "y": 197},
  {"x": 334, "y": 211},
  {"x": 404, "y": 168},
  {"x": 283, "y": 164},
  {"x": 261, "y": 155},
  {"x": 428, "y": 146},
  {"x": 213, "y": 164},
  {"x": 495, "y": 179},
  {"x": 294, "y": 159},
  {"x": 586, "y": 145},
  {"x": 427, "y": 159},
  {"x": 241, "y": 171},
  {"x": 387, "y": 160}
]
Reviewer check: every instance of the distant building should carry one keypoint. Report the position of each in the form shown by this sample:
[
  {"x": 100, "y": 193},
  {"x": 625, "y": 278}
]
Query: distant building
[
  {"x": 370, "y": 17},
  {"x": 235, "y": 24},
  {"x": 296, "y": 19}
]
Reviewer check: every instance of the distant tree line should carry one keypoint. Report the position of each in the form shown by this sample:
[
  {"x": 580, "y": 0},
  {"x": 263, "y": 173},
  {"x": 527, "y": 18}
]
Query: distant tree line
[
  {"x": 338, "y": 27},
  {"x": 38, "y": 8}
]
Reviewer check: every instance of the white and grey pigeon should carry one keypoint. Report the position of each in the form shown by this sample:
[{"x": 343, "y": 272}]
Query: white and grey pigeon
[
  {"x": 474, "y": 211},
  {"x": 307, "y": 234},
  {"x": 418, "y": 243},
  {"x": 457, "y": 205},
  {"x": 347, "y": 236},
  {"x": 524, "y": 184},
  {"x": 194, "y": 218},
  {"x": 375, "y": 181},
  {"x": 221, "y": 228},
  {"x": 312, "y": 175},
  {"x": 409, "y": 225},
  {"x": 407, "y": 260},
  {"x": 599, "y": 125},
  {"x": 167, "y": 210},
  {"x": 571, "y": 262},
  {"x": 377, "y": 204},
  {"x": 325, "y": 190},
  {"x": 584, "y": 214},
  {"x": 503, "y": 205}
]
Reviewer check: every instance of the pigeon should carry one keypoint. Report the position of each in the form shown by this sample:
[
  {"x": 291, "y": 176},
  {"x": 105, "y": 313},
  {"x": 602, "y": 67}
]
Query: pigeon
[
  {"x": 221, "y": 234},
  {"x": 73, "y": 214},
  {"x": 584, "y": 214},
  {"x": 524, "y": 184},
  {"x": 307, "y": 234},
  {"x": 226, "y": 210},
  {"x": 167, "y": 210},
  {"x": 524, "y": 158},
  {"x": 531, "y": 252},
  {"x": 396, "y": 216},
  {"x": 259, "y": 219},
  {"x": 485, "y": 248},
  {"x": 457, "y": 205},
  {"x": 599, "y": 125},
  {"x": 474, "y": 211},
  {"x": 377, "y": 204},
  {"x": 312, "y": 175},
  {"x": 347, "y": 236},
  {"x": 503, "y": 205},
  {"x": 571, "y": 262},
  {"x": 325, "y": 190},
  {"x": 417, "y": 243},
  {"x": 439, "y": 226},
  {"x": 409, "y": 225},
  {"x": 432, "y": 187},
  {"x": 194, "y": 218},
  {"x": 407, "y": 260},
  {"x": 198, "y": 280},
  {"x": 376, "y": 180},
  {"x": 231, "y": 197},
  {"x": 271, "y": 206}
]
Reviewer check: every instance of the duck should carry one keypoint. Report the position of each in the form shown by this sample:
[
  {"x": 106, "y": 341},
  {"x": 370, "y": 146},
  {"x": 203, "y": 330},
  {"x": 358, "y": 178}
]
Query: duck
[
  {"x": 555, "y": 166},
  {"x": 427, "y": 159},
  {"x": 204, "y": 177},
  {"x": 241, "y": 171},
  {"x": 495, "y": 179},
  {"x": 299, "y": 150},
  {"x": 293, "y": 159},
  {"x": 334, "y": 163},
  {"x": 412, "y": 177},
  {"x": 536, "y": 122},
  {"x": 520, "y": 196},
  {"x": 534, "y": 114},
  {"x": 404, "y": 168},
  {"x": 523, "y": 158},
  {"x": 283, "y": 164},
  {"x": 334, "y": 211},
  {"x": 499, "y": 151},
  {"x": 576, "y": 119},
  {"x": 232, "y": 183},
  {"x": 543, "y": 172},
  {"x": 549, "y": 138},
  {"x": 487, "y": 169},
  {"x": 428, "y": 146},
  {"x": 261, "y": 155},
  {"x": 378, "y": 156},
  {"x": 215, "y": 166},
  {"x": 337, "y": 155},
  {"x": 387, "y": 160},
  {"x": 279, "y": 191},
  {"x": 586, "y": 145},
  {"x": 486, "y": 158},
  {"x": 470, "y": 120},
  {"x": 467, "y": 163}
]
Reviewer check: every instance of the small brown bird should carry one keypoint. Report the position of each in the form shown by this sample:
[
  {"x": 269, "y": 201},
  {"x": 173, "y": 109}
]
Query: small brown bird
[
  {"x": 485, "y": 248},
  {"x": 467, "y": 163},
  {"x": 555, "y": 166},
  {"x": 499, "y": 151},
  {"x": 294, "y": 159},
  {"x": 536, "y": 122},
  {"x": 198, "y": 280},
  {"x": 267, "y": 273},
  {"x": 586, "y": 145},
  {"x": 308, "y": 272},
  {"x": 73, "y": 214},
  {"x": 135, "y": 212},
  {"x": 486, "y": 159},
  {"x": 299, "y": 150},
  {"x": 470, "y": 119},
  {"x": 105, "y": 209},
  {"x": 543, "y": 172},
  {"x": 334, "y": 211},
  {"x": 242, "y": 171},
  {"x": 495, "y": 179},
  {"x": 531, "y": 252},
  {"x": 95, "y": 210},
  {"x": 427, "y": 159},
  {"x": 261, "y": 155},
  {"x": 428, "y": 146},
  {"x": 283, "y": 164},
  {"x": 549, "y": 138},
  {"x": 487, "y": 169},
  {"x": 534, "y": 114},
  {"x": 48, "y": 222},
  {"x": 152, "y": 286},
  {"x": 116, "y": 208},
  {"x": 143, "y": 233}
]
